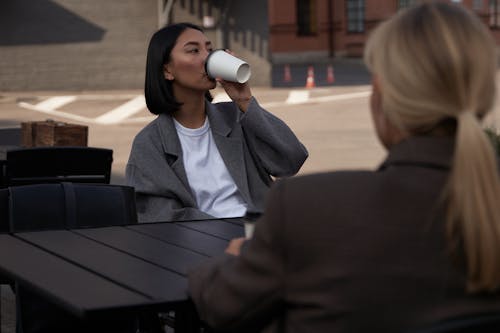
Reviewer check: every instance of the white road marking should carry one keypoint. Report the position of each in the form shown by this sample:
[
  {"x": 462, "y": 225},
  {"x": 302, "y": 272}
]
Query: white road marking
[
  {"x": 114, "y": 116},
  {"x": 297, "y": 97},
  {"x": 328, "y": 98},
  {"x": 145, "y": 119},
  {"x": 123, "y": 111},
  {"x": 340, "y": 97},
  {"x": 110, "y": 97},
  {"x": 55, "y": 112},
  {"x": 55, "y": 102}
]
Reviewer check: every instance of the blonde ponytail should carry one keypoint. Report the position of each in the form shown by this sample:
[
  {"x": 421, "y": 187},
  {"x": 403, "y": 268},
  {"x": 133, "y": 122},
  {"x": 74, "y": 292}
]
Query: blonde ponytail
[
  {"x": 437, "y": 71},
  {"x": 473, "y": 197}
]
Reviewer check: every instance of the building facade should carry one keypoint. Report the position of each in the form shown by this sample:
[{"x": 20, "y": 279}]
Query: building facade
[
  {"x": 96, "y": 45},
  {"x": 273, "y": 33},
  {"x": 73, "y": 45},
  {"x": 332, "y": 28}
]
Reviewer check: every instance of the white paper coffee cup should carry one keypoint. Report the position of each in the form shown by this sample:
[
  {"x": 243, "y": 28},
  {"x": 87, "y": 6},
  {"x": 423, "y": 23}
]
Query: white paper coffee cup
[
  {"x": 250, "y": 219},
  {"x": 221, "y": 64},
  {"x": 249, "y": 228}
]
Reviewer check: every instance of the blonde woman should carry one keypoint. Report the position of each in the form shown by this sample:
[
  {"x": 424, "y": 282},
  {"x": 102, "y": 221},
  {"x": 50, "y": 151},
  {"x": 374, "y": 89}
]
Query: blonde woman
[{"x": 416, "y": 241}]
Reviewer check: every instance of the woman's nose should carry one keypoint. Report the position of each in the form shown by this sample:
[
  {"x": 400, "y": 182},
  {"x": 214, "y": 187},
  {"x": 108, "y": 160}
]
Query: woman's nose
[{"x": 205, "y": 54}]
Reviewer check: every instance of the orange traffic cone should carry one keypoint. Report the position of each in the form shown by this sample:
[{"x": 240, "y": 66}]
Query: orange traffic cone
[
  {"x": 287, "y": 76},
  {"x": 330, "y": 76},
  {"x": 310, "y": 78}
]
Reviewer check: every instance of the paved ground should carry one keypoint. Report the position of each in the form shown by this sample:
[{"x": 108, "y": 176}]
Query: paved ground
[{"x": 333, "y": 122}]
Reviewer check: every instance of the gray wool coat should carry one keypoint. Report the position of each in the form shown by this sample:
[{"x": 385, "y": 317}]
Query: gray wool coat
[{"x": 254, "y": 145}]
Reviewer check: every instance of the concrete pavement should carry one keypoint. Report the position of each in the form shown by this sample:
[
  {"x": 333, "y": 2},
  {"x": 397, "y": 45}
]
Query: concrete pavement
[{"x": 319, "y": 116}]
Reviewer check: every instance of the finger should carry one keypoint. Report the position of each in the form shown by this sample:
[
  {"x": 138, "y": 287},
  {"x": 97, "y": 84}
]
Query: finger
[{"x": 230, "y": 52}]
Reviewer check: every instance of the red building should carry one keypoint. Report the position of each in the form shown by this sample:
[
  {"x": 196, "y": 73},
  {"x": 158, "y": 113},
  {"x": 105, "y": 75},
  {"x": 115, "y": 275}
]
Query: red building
[
  {"x": 332, "y": 28},
  {"x": 273, "y": 33}
]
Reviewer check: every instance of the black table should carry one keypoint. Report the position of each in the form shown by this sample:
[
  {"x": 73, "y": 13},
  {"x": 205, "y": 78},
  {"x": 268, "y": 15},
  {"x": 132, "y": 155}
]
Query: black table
[{"x": 90, "y": 272}]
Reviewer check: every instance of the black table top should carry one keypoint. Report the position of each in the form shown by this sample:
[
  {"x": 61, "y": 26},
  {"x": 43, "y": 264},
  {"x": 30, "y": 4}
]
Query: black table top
[{"x": 88, "y": 271}]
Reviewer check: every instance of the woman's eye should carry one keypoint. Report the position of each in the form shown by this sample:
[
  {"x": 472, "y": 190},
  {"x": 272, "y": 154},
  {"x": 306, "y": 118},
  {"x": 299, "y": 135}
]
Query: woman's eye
[{"x": 193, "y": 51}]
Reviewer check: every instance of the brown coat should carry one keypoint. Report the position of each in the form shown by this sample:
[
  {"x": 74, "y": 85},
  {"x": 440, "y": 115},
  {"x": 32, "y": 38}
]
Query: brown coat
[{"x": 353, "y": 251}]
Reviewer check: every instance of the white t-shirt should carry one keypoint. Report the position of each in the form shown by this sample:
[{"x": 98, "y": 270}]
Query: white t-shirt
[{"x": 214, "y": 188}]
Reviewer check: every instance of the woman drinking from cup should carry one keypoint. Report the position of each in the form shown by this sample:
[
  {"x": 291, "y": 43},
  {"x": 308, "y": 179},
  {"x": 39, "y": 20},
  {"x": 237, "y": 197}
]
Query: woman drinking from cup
[{"x": 199, "y": 160}]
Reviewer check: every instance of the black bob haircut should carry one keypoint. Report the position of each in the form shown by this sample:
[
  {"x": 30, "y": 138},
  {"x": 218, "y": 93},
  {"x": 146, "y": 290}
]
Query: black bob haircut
[{"x": 158, "y": 90}]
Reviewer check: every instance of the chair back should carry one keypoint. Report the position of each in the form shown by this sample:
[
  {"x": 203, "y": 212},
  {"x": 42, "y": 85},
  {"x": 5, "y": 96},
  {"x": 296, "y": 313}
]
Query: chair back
[
  {"x": 58, "y": 164},
  {"x": 70, "y": 205},
  {"x": 483, "y": 323},
  {"x": 60, "y": 206},
  {"x": 10, "y": 136},
  {"x": 4, "y": 210}
]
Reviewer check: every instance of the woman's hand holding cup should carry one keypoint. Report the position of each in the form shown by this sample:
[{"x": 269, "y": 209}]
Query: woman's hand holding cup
[{"x": 233, "y": 74}]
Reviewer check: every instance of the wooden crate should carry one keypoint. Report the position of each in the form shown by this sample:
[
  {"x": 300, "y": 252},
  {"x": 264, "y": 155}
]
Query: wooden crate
[{"x": 52, "y": 133}]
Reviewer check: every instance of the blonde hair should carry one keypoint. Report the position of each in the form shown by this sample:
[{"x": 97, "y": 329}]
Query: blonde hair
[{"x": 435, "y": 62}]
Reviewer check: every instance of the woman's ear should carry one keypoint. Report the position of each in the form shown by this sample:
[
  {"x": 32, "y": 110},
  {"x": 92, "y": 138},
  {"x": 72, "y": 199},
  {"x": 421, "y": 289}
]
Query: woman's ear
[
  {"x": 167, "y": 73},
  {"x": 376, "y": 96},
  {"x": 387, "y": 133}
]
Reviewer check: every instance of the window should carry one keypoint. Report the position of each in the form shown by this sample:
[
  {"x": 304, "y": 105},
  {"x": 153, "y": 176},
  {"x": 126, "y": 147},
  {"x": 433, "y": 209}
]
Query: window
[
  {"x": 306, "y": 17},
  {"x": 355, "y": 15},
  {"x": 494, "y": 14},
  {"x": 406, "y": 3}
]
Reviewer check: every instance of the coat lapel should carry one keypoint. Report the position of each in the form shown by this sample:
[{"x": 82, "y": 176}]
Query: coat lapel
[
  {"x": 173, "y": 154},
  {"x": 230, "y": 149}
]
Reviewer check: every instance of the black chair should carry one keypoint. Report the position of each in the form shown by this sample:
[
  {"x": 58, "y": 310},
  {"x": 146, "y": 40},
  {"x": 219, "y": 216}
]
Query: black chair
[
  {"x": 41, "y": 207},
  {"x": 58, "y": 164},
  {"x": 59, "y": 206},
  {"x": 49, "y": 165},
  {"x": 479, "y": 323},
  {"x": 70, "y": 205},
  {"x": 4, "y": 210},
  {"x": 10, "y": 136},
  {"x": 4, "y": 227}
]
